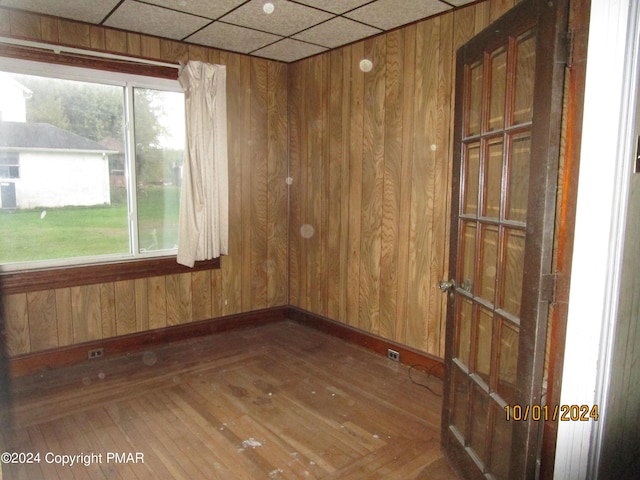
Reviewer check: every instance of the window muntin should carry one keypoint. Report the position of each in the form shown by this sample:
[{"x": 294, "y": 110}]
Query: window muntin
[{"x": 112, "y": 193}]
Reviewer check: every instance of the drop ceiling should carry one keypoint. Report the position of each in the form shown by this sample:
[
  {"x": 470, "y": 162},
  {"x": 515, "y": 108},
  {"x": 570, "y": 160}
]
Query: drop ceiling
[{"x": 294, "y": 30}]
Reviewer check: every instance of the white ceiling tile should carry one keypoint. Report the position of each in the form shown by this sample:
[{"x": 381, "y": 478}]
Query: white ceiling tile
[
  {"x": 289, "y": 50},
  {"x": 388, "y": 14},
  {"x": 206, "y": 8},
  {"x": 336, "y": 6},
  {"x": 144, "y": 18},
  {"x": 91, "y": 11},
  {"x": 232, "y": 37},
  {"x": 287, "y": 18},
  {"x": 337, "y": 31}
]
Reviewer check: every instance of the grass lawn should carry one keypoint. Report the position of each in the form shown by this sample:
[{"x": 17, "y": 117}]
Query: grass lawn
[{"x": 43, "y": 233}]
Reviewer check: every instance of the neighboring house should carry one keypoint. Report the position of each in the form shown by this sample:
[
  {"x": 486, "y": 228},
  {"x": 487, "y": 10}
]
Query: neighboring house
[
  {"x": 12, "y": 99},
  {"x": 45, "y": 166}
]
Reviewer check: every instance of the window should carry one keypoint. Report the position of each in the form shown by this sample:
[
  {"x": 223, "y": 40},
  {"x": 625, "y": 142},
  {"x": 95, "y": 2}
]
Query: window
[
  {"x": 9, "y": 165},
  {"x": 95, "y": 161}
]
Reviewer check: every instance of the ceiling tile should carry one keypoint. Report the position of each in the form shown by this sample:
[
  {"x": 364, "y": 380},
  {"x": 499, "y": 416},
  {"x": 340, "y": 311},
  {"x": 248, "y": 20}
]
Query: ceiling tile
[
  {"x": 144, "y": 18},
  {"x": 205, "y": 8},
  {"x": 232, "y": 37},
  {"x": 83, "y": 10},
  {"x": 287, "y": 19},
  {"x": 289, "y": 50},
  {"x": 336, "y": 6},
  {"x": 388, "y": 14},
  {"x": 337, "y": 31}
]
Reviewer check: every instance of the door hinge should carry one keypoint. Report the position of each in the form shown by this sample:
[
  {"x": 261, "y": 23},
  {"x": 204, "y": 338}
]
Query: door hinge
[{"x": 548, "y": 285}]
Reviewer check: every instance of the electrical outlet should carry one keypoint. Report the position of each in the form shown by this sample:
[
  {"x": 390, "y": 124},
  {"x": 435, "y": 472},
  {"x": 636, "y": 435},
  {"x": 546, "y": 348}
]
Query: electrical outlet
[
  {"x": 96, "y": 353},
  {"x": 393, "y": 355}
]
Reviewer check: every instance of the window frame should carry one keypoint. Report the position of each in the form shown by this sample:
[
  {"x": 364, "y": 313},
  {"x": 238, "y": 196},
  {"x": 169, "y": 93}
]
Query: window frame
[{"x": 59, "y": 273}]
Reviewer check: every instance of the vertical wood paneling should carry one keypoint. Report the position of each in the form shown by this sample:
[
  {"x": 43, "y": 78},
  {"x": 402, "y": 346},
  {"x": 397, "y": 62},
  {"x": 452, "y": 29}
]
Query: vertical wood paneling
[
  {"x": 389, "y": 235},
  {"x": 355, "y": 182},
  {"x": 231, "y": 266},
  {"x": 25, "y": 25},
  {"x": 257, "y": 193},
  {"x": 335, "y": 285},
  {"x": 443, "y": 168},
  {"x": 387, "y": 138},
  {"x": 116, "y": 41},
  {"x": 314, "y": 234},
  {"x": 64, "y": 316},
  {"x": 125, "y": 296},
  {"x": 16, "y": 326},
  {"x": 372, "y": 185},
  {"x": 409, "y": 52},
  {"x": 178, "y": 299},
  {"x": 422, "y": 201},
  {"x": 277, "y": 159},
  {"x": 86, "y": 313},
  {"x": 157, "y": 291},
  {"x": 74, "y": 33},
  {"x": 49, "y": 28},
  {"x": 142, "y": 305},
  {"x": 108, "y": 306},
  {"x": 244, "y": 183},
  {"x": 201, "y": 295},
  {"x": 295, "y": 92},
  {"x": 43, "y": 329}
]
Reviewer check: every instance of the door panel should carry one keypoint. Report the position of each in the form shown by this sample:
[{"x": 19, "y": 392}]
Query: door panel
[{"x": 501, "y": 237}]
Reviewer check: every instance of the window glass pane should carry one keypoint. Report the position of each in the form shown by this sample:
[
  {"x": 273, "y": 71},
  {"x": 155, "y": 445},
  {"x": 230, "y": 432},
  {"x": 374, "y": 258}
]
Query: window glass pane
[
  {"x": 471, "y": 179},
  {"x": 498, "y": 89},
  {"x": 519, "y": 177},
  {"x": 69, "y": 151},
  {"x": 513, "y": 271},
  {"x": 159, "y": 136},
  {"x": 483, "y": 344},
  {"x": 58, "y": 201},
  {"x": 468, "y": 254},
  {"x": 474, "y": 120},
  {"x": 507, "y": 381},
  {"x": 525, "y": 78},
  {"x": 493, "y": 178},
  {"x": 489, "y": 259},
  {"x": 501, "y": 444},
  {"x": 463, "y": 339}
]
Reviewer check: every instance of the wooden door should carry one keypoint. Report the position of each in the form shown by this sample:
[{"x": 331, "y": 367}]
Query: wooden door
[{"x": 506, "y": 143}]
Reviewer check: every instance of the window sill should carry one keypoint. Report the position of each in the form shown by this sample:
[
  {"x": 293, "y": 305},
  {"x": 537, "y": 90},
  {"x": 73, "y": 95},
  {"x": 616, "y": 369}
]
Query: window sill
[{"x": 47, "y": 279}]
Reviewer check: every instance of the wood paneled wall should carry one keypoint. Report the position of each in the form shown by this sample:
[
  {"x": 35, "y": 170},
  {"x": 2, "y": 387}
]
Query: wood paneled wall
[
  {"x": 370, "y": 163},
  {"x": 367, "y": 212},
  {"x": 252, "y": 277}
]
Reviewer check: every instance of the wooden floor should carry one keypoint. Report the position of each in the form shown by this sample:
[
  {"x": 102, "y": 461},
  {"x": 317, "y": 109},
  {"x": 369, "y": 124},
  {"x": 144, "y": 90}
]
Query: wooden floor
[{"x": 280, "y": 401}]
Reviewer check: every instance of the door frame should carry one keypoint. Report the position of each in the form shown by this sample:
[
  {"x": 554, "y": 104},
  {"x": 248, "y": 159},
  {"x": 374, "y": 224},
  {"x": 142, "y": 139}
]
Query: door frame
[
  {"x": 613, "y": 59},
  {"x": 551, "y": 41}
]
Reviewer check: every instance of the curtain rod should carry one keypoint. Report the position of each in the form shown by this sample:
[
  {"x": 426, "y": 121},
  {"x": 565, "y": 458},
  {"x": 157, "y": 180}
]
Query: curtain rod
[{"x": 79, "y": 51}]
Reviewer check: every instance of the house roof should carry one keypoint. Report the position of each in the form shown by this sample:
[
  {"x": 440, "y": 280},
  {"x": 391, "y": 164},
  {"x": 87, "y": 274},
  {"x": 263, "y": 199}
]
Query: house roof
[{"x": 44, "y": 136}]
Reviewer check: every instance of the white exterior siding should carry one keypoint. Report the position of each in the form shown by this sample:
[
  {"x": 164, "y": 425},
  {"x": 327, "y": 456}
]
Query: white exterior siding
[{"x": 58, "y": 179}]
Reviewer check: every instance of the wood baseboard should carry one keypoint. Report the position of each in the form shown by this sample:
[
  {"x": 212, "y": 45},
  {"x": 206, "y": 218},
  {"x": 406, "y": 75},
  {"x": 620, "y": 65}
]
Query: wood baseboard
[
  {"x": 74, "y": 354},
  {"x": 374, "y": 343}
]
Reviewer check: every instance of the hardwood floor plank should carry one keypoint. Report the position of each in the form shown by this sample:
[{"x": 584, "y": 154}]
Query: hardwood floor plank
[{"x": 279, "y": 401}]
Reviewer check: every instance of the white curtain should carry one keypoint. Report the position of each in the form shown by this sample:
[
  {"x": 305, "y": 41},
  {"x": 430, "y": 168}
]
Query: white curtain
[{"x": 204, "y": 200}]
